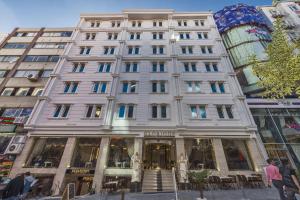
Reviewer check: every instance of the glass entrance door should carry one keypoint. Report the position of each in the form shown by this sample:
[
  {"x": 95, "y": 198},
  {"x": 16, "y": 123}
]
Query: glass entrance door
[{"x": 158, "y": 156}]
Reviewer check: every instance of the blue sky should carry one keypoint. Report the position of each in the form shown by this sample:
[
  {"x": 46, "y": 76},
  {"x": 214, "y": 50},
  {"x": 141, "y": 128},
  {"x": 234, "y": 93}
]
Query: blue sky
[{"x": 65, "y": 13}]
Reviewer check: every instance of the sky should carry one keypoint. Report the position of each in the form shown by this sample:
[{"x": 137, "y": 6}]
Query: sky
[{"x": 65, "y": 13}]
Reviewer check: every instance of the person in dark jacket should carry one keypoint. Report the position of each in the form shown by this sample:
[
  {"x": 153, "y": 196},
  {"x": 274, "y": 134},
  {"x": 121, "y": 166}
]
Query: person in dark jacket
[
  {"x": 289, "y": 180},
  {"x": 14, "y": 188}
]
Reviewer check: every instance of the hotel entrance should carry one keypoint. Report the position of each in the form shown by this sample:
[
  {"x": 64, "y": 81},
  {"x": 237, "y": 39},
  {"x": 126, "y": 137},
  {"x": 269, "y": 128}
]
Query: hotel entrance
[{"x": 159, "y": 154}]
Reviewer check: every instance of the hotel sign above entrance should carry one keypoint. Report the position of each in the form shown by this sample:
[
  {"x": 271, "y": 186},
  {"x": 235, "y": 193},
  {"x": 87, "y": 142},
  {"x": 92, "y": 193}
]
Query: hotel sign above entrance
[{"x": 159, "y": 133}]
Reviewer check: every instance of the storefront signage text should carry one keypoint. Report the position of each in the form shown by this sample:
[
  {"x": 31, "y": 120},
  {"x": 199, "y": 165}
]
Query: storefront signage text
[
  {"x": 80, "y": 171},
  {"x": 159, "y": 133},
  {"x": 7, "y": 120}
]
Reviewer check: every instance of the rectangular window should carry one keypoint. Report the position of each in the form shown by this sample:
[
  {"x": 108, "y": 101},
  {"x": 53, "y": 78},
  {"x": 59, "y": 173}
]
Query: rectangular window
[
  {"x": 159, "y": 86},
  {"x": 221, "y": 87},
  {"x": 49, "y": 45},
  {"x": 133, "y": 50},
  {"x": 126, "y": 111},
  {"x": 104, "y": 67},
  {"x": 198, "y": 111},
  {"x": 131, "y": 67},
  {"x": 85, "y": 50},
  {"x": 99, "y": 87},
  {"x": 129, "y": 87},
  {"x": 229, "y": 112},
  {"x": 37, "y": 92},
  {"x": 220, "y": 112},
  {"x": 70, "y": 87},
  {"x": 15, "y": 46},
  {"x": 163, "y": 111},
  {"x": 9, "y": 58},
  {"x": 159, "y": 111},
  {"x": 154, "y": 111},
  {"x": 93, "y": 111},
  {"x": 190, "y": 67},
  {"x": 41, "y": 59},
  {"x": 109, "y": 50},
  {"x": 22, "y": 92},
  {"x": 61, "y": 111},
  {"x": 78, "y": 67},
  {"x": 3, "y": 73},
  {"x": 213, "y": 87},
  {"x": 8, "y": 92},
  {"x": 57, "y": 34},
  {"x": 187, "y": 50},
  {"x": 215, "y": 67},
  {"x": 26, "y": 73},
  {"x": 207, "y": 66}
]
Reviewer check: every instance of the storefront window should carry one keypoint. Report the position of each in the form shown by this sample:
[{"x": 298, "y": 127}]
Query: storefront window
[
  {"x": 200, "y": 154},
  {"x": 236, "y": 154},
  {"x": 120, "y": 152},
  {"x": 86, "y": 153},
  {"x": 47, "y": 152}
]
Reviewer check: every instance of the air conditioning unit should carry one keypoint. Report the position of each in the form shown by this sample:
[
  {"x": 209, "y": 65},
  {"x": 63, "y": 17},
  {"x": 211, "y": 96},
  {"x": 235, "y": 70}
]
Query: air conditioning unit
[
  {"x": 33, "y": 77},
  {"x": 16, "y": 145},
  {"x": 20, "y": 120},
  {"x": 14, "y": 149}
]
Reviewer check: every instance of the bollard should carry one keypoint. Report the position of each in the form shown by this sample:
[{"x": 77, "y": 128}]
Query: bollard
[{"x": 123, "y": 195}]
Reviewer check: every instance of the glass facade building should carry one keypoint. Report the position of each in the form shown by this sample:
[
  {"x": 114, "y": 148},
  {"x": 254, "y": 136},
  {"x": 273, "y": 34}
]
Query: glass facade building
[{"x": 245, "y": 33}]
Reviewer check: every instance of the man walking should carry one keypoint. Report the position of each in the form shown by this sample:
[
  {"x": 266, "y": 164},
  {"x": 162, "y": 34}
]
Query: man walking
[
  {"x": 14, "y": 188},
  {"x": 274, "y": 176}
]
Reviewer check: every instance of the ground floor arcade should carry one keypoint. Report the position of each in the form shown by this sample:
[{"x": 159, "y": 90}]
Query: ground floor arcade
[{"x": 91, "y": 162}]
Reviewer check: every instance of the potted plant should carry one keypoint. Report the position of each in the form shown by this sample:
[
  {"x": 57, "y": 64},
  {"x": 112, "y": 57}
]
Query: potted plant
[{"x": 199, "y": 178}]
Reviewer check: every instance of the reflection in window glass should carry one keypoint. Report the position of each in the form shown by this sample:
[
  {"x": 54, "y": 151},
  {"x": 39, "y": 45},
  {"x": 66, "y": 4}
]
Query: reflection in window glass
[
  {"x": 200, "y": 154},
  {"x": 236, "y": 154},
  {"x": 120, "y": 152}
]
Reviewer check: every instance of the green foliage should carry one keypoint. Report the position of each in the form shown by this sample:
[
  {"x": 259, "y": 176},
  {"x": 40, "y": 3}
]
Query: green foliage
[
  {"x": 198, "y": 176},
  {"x": 280, "y": 75}
]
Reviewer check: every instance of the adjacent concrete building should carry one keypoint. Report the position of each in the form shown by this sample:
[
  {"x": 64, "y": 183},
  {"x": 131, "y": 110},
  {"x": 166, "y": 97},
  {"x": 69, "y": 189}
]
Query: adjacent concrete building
[
  {"x": 138, "y": 91},
  {"x": 27, "y": 58}
]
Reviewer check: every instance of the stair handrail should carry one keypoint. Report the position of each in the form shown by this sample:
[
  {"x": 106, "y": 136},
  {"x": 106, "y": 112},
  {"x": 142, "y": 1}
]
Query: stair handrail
[{"x": 175, "y": 183}]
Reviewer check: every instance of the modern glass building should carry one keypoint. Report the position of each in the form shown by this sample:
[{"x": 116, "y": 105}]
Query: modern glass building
[{"x": 245, "y": 33}]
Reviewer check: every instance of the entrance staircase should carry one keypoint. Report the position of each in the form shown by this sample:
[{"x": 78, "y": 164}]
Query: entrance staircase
[{"x": 158, "y": 181}]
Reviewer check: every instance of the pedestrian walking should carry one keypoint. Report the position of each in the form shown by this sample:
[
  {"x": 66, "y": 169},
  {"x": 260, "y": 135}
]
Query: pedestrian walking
[
  {"x": 14, "y": 188},
  {"x": 274, "y": 177},
  {"x": 29, "y": 181},
  {"x": 290, "y": 181}
]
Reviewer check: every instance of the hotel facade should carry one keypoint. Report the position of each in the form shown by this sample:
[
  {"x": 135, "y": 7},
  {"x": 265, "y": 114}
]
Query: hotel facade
[{"x": 139, "y": 91}]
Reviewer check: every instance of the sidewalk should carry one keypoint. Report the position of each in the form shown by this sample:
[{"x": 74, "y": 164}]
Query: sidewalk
[{"x": 245, "y": 194}]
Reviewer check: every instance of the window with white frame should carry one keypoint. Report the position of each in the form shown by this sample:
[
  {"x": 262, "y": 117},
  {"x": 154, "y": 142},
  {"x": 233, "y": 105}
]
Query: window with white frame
[
  {"x": 25, "y": 73},
  {"x": 78, "y": 67},
  {"x": 112, "y": 36},
  {"x": 131, "y": 67},
  {"x": 49, "y": 45},
  {"x": 189, "y": 67},
  {"x": 90, "y": 36},
  {"x": 158, "y": 50},
  {"x": 129, "y": 86},
  {"x": 206, "y": 49},
  {"x": 37, "y": 92},
  {"x": 182, "y": 23},
  {"x": 104, "y": 67},
  {"x": 85, "y": 50},
  {"x": 157, "y": 35},
  {"x": 25, "y": 34},
  {"x": 93, "y": 111},
  {"x": 158, "y": 67},
  {"x": 70, "y": 87},
  {"x": 17, "y": 112},
  {"x": 134, "y": 36},
  {"x": 53, "y": 58},
  {"x": 3, "y": 73},
  {"x": 94, "y": 24},
  {"x": 133, "y": 50},
  {"x": 211, "y": 67},
  {"x": 61, "y": 110},
  {"x": 202, "y": 35},
  {"x": 126, "y": 111},
  {"x": 217, "y": 87},
  {"x": 184, "y": 36},
  {"x": 157, "y": 23},
  {"x": 225, "y": 111},
  {"x": 198, "y": 111},
  {"x": 9, "y": 58},
  {"x": 8, "y": 92},
  {"x": 199, "y": 22},
  {"x": 57, "y": 34},
  {"x": 159, "y": 111},
  {"x": 136, "y": 23},
  {"x": 109, "y": 50},
  {"x": 46, "y": 73},
  {"x": 22, "y": 92},
  {"x": 193, "y": 86},
  {"x": 99, "y": 87},
  {"x": 115, "y": 24},
  {"x": 159, "y": 87},
  {"x": 187, "y": 49}
]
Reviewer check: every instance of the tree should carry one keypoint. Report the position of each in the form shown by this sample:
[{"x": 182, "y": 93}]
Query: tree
[
  {"x": 280, "y": 74},
  {"x": 199, "y": 179}
]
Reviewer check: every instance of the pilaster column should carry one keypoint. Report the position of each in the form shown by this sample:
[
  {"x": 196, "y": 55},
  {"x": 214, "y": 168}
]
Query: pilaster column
[
  {"x": 101, "y": 164},
  {"x": 220, "y": 156},
  {"x": 256, "y": 156},
  {"x": 64, "y": 163},
  {"x": 182, "y": 164},
  {"x": 21, "y": 159}
]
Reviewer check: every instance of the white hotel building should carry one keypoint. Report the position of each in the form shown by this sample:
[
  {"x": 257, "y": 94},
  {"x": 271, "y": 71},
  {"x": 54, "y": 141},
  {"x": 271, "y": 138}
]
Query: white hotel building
[{"x": 156, "y": 82}]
